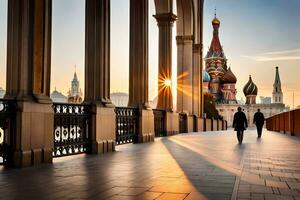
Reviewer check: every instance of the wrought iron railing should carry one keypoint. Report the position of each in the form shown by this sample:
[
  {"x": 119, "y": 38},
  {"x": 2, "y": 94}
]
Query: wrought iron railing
[
  {"x": 71, "y": 123},
  {"x": 183, "y": 123},
  {"x": 127, "y": 125},
  {"x": 159, "y": 122},
  {"x": 7, "y": 117}
]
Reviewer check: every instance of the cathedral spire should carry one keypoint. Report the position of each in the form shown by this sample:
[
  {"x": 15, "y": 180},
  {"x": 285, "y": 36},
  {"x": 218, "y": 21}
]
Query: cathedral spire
[
  {"x": 215, "y": 46},
  {"x": 215, "y": 12},
  {"x": 277, "y": 92},
  {"x": 277, "y": 77}
]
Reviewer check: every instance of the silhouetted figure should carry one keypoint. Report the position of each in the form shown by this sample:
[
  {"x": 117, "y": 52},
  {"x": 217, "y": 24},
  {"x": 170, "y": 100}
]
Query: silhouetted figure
[
  {"x": 240, "y": 124},
  {"x": 259, "y": 120}
]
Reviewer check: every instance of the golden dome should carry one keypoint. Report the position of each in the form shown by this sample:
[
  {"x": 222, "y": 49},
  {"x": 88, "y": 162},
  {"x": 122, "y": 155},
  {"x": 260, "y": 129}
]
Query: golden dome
[{"x": 215, "y": 21}]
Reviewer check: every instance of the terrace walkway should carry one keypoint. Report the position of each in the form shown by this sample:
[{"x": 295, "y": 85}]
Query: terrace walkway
[{"x": 188, "y": 166}]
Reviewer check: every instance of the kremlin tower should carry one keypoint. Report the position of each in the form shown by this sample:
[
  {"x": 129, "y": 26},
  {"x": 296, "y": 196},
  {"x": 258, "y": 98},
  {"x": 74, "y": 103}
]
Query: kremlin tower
[
  {"x": 222, "y": 83},
  {"x": 75, "y": 94},
  {"x": 277, "y": 92}
]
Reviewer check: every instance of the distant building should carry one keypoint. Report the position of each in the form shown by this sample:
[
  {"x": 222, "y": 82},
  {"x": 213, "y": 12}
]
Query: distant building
[
  {"x": 2, "y": 92},
  {"x": 265, "y": 100},
  {"x": 277, "y": 92},
  {"x": 250, "y": 107},
  {"x": 220, "y": 81},
  {"x": 75, "y": 93},
  {"x": 119, "y": 99},
  {"x": 58, "y": 97}
]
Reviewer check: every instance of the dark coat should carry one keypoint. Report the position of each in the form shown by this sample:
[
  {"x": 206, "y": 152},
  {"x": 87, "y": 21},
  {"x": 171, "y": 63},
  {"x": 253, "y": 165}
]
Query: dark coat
[
  {"x": 240, "y": 121},
  {"x": 259, "y": 119}
]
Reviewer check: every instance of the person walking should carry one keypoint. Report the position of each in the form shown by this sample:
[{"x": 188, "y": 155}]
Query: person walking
[
  {"x": 240, "y": 124},
  {"x": 259, "y": 120}
]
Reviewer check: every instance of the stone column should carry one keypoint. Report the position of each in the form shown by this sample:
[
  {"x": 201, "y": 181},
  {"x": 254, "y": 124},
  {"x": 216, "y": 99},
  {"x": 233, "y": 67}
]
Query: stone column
[
  {"x": 165, "y": 100},
  {"x": 197, "y": 81},
  {"x": 138, "y": 68},
  {"x": 97, "y": 75},
  {"x": 165, "y": 24},
  {"x": 28, "y": 80},
  {"x": 185, "y": 74}
]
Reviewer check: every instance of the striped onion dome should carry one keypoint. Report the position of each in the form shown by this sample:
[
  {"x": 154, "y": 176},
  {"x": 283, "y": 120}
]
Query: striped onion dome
[
  {"x": 250, "y": 88},
  {"x": 206, "y": 76}
]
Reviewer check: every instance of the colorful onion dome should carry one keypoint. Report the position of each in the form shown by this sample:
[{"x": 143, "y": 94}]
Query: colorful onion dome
[
  {"x": 206, "y": 76},
  {"x": 229, "y": 77},
  {"x": 250, "y": 88}
]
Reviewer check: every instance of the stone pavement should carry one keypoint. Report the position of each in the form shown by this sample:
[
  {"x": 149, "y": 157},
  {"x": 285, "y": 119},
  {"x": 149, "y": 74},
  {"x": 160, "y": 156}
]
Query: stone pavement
[{"x": 193, "y": 166}]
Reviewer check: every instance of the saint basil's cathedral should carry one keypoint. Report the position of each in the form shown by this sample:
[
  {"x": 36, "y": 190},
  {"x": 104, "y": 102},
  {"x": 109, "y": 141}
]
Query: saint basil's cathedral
[{"x": 220, "y": 81}]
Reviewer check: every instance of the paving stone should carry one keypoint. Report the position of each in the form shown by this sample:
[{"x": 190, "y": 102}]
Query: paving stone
[
  {"x": 276, "y": 184},
  {"x": 172, "y": 196},
  {"x": 277, "y": 197},
  {"x": 290, "y": 192},
  {"x": 257, "y": 196},
  {"x": 191, "y": 166},
  {"x": 294, "y": 185}
]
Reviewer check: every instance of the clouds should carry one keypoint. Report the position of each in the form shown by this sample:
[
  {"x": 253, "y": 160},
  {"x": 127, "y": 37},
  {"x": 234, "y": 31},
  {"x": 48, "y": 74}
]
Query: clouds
[{"x": 284, "y": 55}]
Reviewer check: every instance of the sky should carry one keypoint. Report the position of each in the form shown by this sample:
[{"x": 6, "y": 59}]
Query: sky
[{"x": 256, "y": 36}]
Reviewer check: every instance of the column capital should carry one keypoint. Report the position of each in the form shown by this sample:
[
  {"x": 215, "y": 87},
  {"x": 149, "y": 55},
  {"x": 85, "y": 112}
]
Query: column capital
[
  {"x": 165, "y": 19},
  {"x": 182, "y": 39},
  {"x": 197, "y": 48}
]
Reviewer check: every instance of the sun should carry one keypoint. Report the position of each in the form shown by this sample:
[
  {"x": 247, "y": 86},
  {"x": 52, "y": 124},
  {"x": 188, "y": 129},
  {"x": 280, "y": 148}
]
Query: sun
[{"x": 167, "y": 83}]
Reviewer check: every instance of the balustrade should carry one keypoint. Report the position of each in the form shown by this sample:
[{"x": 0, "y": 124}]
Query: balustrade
[
  {"x": 127, "y": 125},
  {"x": 183, "y": 126},
  {"x": 286, "y": 122},
  {"x": 159, "y": 122},
  {"x": 7, "y": 113},
  {"x": 71, "y": 123}
]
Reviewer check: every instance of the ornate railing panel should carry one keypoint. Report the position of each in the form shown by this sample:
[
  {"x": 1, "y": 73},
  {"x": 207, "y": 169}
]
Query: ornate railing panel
[
  {"x": 159, "y": 123},
  {"x": 127, "y": 124},
  {"x": 71, "y": 124},
  {"x": 183, "y": 123},
  {"x": 7, "y": 116}
]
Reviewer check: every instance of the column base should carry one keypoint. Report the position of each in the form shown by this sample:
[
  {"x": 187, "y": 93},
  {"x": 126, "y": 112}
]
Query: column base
[
  {"x": 190, "y": 123},
  {"x": 208, "y": 126},
  {"x": 104, "y": 146},
  {"x": 215, "y": 125},
  {"x": 200, "y": 124},
  {"x": 33, "y": 135},
  {"x": 172, "y": 123},
  {"x": 103, "y": 126},
  {"x": 146, "y": 126}
]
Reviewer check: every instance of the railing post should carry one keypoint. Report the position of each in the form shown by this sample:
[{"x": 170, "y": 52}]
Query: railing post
[{"x": 292, "y": 122}]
